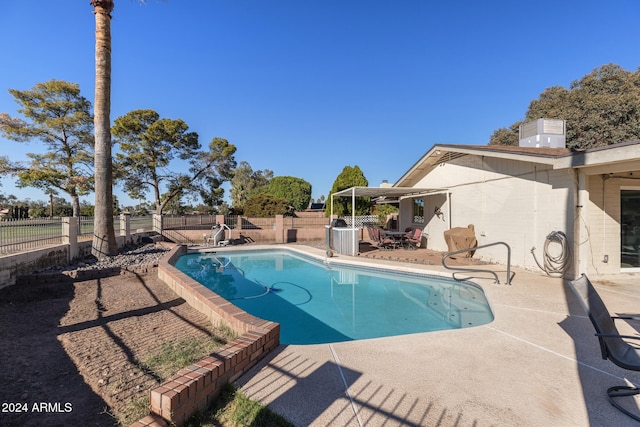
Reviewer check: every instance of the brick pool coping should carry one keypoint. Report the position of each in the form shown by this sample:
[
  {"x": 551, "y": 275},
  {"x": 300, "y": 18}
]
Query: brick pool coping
[{"x": 193, "y": 388}]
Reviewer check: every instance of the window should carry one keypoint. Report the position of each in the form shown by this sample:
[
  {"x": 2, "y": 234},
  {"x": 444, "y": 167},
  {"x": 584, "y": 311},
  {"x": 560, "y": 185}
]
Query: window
[
  {"x": 630, "y": 228},
  {"x": 418, "y": 211}
]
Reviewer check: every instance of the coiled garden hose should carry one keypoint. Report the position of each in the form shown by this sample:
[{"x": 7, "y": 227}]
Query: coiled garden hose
[{"x": 555, "y": 265}]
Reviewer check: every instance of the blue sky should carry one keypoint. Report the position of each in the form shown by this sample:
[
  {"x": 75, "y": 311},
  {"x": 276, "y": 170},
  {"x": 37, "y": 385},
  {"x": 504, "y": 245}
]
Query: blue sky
[{"x": 306, "y": 87}]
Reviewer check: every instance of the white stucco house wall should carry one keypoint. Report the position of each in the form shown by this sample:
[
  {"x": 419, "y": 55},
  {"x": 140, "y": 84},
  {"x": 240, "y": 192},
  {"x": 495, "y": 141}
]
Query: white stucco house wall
[{"x": 519, "y": 195}]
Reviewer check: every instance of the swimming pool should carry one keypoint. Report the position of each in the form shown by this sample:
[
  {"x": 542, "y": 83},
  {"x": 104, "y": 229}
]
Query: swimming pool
[{"x": 315, "y": 302}]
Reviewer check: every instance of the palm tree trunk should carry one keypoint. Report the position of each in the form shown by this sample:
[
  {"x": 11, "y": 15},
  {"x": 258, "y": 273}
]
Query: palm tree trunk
[{"x": 104, "y": 239}]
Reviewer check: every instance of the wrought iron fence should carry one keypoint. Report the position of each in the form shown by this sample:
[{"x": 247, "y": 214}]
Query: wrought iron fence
[
  {"x": 140, "y": 223},
  {"x": 21, "y": 234},
  {"x": 24, "y": 234},
  {"x": 237, "y": 222},
  {"x": 305, "y": 222},
  {"x": 231, "y": 221},
  {"x": 18, "y": 235},
  {"x": 85, "y": 227},
  {"x": 256, "y": 223},
  {"x": 186, "y": 222}
]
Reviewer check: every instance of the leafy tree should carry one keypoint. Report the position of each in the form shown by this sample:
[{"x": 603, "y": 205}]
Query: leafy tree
[
  {"x": 224, "y": 209},
  {"x": 104, "y": 238},
  {"x": 210, "y": 169},
  {"x": 141, "y": 209},
  {"x": 504, "y": 136},
  {"x": 39, "y": 209},
  {"x": 5, "y": 164},
  {"x": 601, "y": 108},
  {"x": 61, "y": 207},
  {"x": 86, "y": 209},
  {"x": 245, "y": 181},
  {"x": 349, "y": 177},
  {"x": 57, "y": 115},
  {"x": 148, "y": 144},
  {"x": 7, "y": 200},
  {"x": 19, "y": 210},
  {"x": 383, "y": 210},
  {"x": 296, "y": 191},
  {"x": 265, "y": 205}
]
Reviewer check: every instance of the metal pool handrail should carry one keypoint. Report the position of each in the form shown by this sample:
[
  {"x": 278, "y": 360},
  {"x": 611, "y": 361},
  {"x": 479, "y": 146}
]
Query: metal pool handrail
[{"x": 449, "y": 254}]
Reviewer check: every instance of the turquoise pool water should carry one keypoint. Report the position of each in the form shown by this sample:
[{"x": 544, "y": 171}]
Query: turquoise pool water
[{"x": 319, "y": 303}]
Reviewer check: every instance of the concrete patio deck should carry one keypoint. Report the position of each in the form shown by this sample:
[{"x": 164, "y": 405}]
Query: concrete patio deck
[{"x": 538, "y": 363}]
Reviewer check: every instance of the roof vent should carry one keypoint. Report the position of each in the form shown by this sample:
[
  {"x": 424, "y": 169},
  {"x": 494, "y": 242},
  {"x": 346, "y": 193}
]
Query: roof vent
[{"x": 549, "y": 133}]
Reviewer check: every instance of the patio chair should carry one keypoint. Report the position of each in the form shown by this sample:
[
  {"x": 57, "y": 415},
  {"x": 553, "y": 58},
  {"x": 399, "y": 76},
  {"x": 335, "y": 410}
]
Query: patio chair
[
  {"x": 371, "y": 233},
  {"x": 381, "y": 242},
  {"x": 414, "y": 240},
  {"x": 612, "y": 345}
]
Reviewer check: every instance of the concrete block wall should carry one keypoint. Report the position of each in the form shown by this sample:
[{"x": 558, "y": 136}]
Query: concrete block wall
[
  {"x": 15, "y": 265},
  {"x": 283, "y": 235},
  {"x": 516, "y": 202},
  {"x": 193, "y": 389}
]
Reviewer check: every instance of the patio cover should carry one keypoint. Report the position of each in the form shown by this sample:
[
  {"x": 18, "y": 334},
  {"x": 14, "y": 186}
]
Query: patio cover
[{"x": 392, "y": 192}]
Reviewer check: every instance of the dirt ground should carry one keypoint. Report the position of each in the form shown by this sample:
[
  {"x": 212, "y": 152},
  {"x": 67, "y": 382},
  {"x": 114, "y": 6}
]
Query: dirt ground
[{"x": 70, "y": 350}]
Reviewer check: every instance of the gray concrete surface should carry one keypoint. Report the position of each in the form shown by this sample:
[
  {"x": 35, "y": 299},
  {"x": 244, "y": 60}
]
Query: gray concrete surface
[{"x": 537, "y": 364}]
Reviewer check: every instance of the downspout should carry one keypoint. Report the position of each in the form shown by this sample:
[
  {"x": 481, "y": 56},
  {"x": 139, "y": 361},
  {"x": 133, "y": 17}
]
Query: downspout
[
  {"x": 535, "y": 202},
  {"x": 579, "y": 258},
  {"x": 605, "y": 177}
]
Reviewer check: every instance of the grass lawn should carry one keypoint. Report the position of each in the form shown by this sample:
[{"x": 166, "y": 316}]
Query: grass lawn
[{"x": 230, "y": 409}]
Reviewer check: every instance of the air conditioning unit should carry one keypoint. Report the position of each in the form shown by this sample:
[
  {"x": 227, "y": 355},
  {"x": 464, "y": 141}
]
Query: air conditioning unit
[{"x": 548, "y": 133}]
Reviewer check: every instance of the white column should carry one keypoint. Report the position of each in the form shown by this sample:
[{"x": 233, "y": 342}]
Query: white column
[{"x": 70, "y": 236}]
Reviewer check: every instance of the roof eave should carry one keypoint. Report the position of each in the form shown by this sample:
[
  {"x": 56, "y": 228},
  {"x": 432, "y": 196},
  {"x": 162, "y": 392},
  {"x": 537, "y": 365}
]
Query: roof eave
[{"x": 438, "y": 151}]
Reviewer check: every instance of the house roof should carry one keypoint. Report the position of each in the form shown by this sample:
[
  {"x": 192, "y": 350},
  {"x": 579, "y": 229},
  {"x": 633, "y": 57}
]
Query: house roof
[{"x": 617, "y": 156}]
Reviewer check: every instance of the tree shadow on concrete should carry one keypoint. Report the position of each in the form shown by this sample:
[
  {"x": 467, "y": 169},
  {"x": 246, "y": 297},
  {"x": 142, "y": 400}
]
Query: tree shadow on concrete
[{"x": 308, "y": 393}]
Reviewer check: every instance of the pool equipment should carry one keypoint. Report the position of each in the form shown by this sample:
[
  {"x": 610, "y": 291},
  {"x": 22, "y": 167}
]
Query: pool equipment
[{"x": 340, "y": 238}]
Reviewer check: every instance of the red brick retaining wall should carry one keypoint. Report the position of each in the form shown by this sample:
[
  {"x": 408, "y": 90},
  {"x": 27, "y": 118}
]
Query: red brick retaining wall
[{"x": 193, "y": 388}]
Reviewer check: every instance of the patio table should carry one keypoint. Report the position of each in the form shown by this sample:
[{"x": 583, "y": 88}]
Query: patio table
[{"x": 397, "y": 236}]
